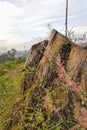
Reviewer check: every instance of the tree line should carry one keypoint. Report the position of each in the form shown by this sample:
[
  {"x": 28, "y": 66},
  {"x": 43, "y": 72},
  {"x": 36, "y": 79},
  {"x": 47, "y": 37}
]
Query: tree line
[{"x": 8, "y": 56}]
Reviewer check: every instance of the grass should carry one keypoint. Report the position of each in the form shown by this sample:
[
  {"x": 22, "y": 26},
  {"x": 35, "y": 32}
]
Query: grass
[{"x": 10, "y": 80}]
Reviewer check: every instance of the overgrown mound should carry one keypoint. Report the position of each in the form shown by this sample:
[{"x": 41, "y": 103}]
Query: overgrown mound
[{"x": 53, "y": 93}]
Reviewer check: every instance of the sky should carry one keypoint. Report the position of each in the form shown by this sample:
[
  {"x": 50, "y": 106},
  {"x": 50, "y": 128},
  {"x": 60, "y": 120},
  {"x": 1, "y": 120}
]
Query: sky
[{"x": 24, "y": 22}]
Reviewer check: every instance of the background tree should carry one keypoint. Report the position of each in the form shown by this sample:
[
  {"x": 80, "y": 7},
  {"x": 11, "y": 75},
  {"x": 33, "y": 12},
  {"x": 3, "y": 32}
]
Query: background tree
[{"x": 11, "y": 54}]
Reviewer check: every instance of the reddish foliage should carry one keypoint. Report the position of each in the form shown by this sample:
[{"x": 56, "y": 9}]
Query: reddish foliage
[
  {"x": 82, "y": 118},
  {"x": 75, "y": 127},
  {"x": 63, "y": 75},
  {"x": 47, "y": 102}
]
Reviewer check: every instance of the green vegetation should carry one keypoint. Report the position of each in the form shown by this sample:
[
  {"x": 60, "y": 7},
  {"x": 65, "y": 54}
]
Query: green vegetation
[
  {"x": 8, "y": 56},
  {"x": 45, "y": 100},
  {"x": 53, "y": 100},
  {"x": 11, "y": 76}
]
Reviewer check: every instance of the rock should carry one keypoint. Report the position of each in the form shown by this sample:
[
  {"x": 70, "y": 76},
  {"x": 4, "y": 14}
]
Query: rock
[
  {"x": 43, "y": 79},
  {"x": 35, "y": 54}
]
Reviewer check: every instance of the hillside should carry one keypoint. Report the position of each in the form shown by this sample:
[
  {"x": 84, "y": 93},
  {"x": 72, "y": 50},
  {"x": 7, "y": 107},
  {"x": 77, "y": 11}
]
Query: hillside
[
  {"x": 11, "y": 76},
  {"x": 54, "y": 88}
]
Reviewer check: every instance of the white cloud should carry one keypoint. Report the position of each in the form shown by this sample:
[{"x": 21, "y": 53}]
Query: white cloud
[
  {"x": 16, "y": 21},
  {"x": 8, "y": 13},
  {"x": 80, "y": 30},
  {"x": 24, "y": 1},
  {"x": 20, "y": 20}
]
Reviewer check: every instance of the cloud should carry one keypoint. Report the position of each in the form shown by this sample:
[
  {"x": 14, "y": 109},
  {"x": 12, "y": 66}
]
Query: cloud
[
  {"x": 80, "y": 30},
  {"x": 8, "y": 12},
  {"x": 22, "y": 20},
  {"x": 18, "y": 20}
]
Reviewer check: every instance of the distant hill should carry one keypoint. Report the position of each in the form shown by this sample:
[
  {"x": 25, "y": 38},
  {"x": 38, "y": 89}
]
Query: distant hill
[{"x": 21, "y": 54}]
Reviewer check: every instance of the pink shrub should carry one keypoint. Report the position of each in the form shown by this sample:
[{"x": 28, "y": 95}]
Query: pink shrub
[
  {"x": 64, "y": 76},
  {"x": 48, "y": 103}
]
